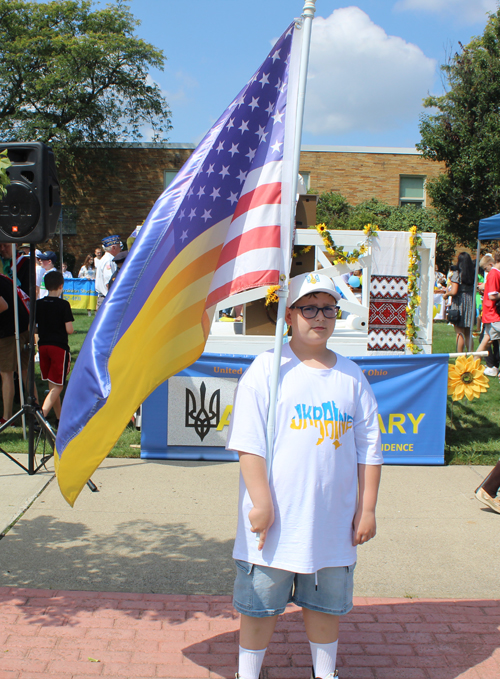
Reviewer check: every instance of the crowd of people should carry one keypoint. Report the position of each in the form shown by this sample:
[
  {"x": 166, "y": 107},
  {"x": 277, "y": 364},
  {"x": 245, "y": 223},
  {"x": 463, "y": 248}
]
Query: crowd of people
[
  {"x": 465, "y": 312},
  {"x": 54, "y": 318},
  {"x": 482, "y": 313}
]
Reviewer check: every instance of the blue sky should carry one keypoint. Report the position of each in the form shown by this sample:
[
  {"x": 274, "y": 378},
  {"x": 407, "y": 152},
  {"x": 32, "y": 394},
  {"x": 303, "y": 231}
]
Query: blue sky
[{"x": 371, "y": 63}]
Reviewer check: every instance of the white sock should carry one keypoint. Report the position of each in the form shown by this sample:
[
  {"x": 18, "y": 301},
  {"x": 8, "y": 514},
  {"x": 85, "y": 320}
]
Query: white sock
[
  {"x": 250, "y": 662},
  {"x": 324, "y": 657}
]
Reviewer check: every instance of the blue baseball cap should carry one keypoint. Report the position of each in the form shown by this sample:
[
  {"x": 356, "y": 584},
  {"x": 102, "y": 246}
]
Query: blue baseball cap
[{"x": 48, "y": 255}]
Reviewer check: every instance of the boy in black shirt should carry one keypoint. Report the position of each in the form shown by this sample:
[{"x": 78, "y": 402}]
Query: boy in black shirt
[{"x": 54, "y": 319}]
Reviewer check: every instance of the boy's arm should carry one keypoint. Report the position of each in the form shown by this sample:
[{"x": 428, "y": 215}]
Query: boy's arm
[
  {"x": 254, "y": 471},
  {"x": 364, "y": 524},
  {"x": 3, "y": 305},
  {"x": 69, "y": 328}
]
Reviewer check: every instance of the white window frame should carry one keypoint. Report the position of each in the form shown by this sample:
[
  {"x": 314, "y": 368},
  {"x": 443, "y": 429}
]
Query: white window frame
[
  {"x": 413, "y": 201},
  {"x": 172, "y": 174},
  {"x": 306, "y": 176}
]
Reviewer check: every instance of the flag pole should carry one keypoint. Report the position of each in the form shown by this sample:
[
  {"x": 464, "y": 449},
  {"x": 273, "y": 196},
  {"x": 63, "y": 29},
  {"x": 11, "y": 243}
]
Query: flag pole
[{"x": 282, "y": 293}]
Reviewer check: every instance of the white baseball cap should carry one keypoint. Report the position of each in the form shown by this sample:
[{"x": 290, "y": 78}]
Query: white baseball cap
[{"x": 307, "y": 283}]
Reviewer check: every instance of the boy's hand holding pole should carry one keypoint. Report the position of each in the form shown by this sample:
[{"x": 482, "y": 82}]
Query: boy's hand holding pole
[
  {"x": 364, "y": 525},
  {"x": 261, "y": 516}
]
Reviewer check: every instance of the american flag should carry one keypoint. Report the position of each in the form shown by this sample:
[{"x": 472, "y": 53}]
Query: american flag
[
  {"x": 222, "y": 226},
  {"x": 239, "y": 182}
]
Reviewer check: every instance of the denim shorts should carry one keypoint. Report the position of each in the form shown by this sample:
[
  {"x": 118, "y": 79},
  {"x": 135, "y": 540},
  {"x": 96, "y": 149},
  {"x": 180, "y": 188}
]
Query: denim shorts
[
  {"x": 261, "y": 591},
  {"x": 492, "y": 330}
]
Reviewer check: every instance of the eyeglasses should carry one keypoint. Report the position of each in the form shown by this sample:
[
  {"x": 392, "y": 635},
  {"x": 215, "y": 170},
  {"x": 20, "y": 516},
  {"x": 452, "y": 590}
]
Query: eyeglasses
[{"x": 311, "y": 312}]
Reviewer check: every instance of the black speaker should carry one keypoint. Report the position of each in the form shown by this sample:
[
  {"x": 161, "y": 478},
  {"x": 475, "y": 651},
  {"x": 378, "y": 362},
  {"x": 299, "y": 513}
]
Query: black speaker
[{"x": 30, "y": 209}]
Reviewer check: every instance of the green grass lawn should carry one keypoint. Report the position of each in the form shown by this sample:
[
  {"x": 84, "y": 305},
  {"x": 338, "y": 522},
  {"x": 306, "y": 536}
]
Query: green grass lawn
[
  {"x": 472, "y": 428},
  {"x": 11, "y": 440}
]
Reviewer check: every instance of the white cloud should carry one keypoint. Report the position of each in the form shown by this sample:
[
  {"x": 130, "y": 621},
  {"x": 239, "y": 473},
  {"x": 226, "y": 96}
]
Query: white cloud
[
  {"x": 362, "y": 79},
  {"x": 184, "y": 84},
  {"x": 462, "y": 11}
]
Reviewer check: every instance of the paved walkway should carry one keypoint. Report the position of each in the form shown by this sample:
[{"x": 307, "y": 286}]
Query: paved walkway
[
  {"x": 134, "y": 581},
  {"x": 75, "y": 635},
  {"x": 168, "y": 527}
]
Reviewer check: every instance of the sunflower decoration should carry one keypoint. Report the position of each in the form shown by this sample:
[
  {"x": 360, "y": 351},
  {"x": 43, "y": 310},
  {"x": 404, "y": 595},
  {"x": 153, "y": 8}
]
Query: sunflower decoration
[
  {"x": 271, "y": 296},
  {"x": 370, "y": 230},
  {"x": 298, "y": 253},
  {"x": 466, "y": 378},
  {"x": 414, "y": 299},
  {"x": 338, "y": 254}
]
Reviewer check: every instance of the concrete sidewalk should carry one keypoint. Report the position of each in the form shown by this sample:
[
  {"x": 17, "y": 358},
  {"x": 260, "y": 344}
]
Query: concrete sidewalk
[
  {"x": 135, "y": 581},
  {"x": 168, "y": 527}
]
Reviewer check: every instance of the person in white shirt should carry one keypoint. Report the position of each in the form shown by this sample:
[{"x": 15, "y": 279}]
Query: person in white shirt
[
  {"x": 88, "y": 269},
  {"x": 65, "y": 272},
  {"x": 39, "y": 272},
  {"x": 97, "y": 255},
  {"x": 48, "y": 262},
  {"x": 105, "y": 267},
  {"x": 318, "y": 502}
]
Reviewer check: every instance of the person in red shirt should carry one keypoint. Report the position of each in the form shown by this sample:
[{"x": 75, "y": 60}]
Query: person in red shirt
[{"x": 491, "y": 315}]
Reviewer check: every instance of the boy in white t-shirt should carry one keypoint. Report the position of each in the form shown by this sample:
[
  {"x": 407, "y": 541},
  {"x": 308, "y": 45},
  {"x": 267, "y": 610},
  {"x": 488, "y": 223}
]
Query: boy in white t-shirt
[{"x": 319, "y": 501}]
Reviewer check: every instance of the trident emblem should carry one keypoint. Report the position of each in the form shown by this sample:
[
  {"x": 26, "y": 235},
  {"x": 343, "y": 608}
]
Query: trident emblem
[{"x": 202, "y": 421}]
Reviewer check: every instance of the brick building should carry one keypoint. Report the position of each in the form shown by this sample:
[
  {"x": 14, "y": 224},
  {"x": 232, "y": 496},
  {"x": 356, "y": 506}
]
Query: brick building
[
  {"x": 393, "y": 175},
  {"x": 119, "y": 194}
]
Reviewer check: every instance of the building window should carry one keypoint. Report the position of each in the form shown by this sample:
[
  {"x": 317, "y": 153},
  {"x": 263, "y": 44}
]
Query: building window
[
  {"x": 306, "y": 178},
  {"x": 412, "y": 191},
  {"x": 168, "y": 177},
  {"x": 68, "y": 219}
]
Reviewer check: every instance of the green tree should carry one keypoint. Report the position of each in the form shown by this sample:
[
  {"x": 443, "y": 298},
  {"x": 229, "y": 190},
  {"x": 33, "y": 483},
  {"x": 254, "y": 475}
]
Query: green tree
[
  {"x": 465, "y": 135},
  {"x": 4, "y": 179},
  {"x": 332, "y": 209},
  {"x": 72, "y": 75}
]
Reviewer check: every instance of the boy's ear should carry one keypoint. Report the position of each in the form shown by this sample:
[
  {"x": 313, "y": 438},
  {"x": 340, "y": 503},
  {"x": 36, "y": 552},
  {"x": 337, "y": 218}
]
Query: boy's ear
[{"x": 288, "y": 316}]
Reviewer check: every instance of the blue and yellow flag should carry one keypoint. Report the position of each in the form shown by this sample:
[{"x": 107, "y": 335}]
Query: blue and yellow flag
[{"x": 222, "y": 226}]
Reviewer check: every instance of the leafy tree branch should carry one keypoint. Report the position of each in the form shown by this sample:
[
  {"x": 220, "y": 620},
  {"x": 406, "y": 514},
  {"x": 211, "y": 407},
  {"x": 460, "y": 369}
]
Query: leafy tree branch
[
  {"x": 464, "y": 133},
  {"x": 72, "y": 75}
]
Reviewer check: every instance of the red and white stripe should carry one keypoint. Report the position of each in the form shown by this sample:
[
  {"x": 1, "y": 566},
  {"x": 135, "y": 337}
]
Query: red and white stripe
[{"x": 250, "y": 256}]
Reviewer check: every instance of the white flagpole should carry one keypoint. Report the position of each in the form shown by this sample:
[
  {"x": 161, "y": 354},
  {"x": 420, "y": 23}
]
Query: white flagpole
[
  {"x": 308, "y": 15},
  {"x": 17, "y": 336}
]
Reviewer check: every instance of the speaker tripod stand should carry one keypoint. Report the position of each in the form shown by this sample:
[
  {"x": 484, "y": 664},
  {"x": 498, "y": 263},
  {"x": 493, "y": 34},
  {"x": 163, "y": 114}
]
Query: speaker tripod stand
[{"x": 38, "y": 427}]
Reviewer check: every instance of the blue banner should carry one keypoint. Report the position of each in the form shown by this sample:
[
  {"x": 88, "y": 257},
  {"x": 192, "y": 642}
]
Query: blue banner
[
  {"x": 187, "y": 417},
  {"x": 80, "y": 293},
  {"x": 411, "y": 395}
]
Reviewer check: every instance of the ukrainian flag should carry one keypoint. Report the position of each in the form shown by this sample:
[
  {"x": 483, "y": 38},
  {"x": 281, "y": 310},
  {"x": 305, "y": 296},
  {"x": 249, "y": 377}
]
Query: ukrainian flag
[{"x": 220, "y": 227}]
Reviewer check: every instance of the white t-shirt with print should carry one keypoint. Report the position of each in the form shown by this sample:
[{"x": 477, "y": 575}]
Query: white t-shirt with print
[
  {"x": 43, "y": 290},
  {"x": 326, "y": 423}
]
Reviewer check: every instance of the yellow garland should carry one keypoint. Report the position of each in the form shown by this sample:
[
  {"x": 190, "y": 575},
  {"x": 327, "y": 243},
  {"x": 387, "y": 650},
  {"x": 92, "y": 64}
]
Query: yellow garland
[
  {"x": 414, "y": 298},
  {"x": 339, "y": 254},
  {"x": 303, "y": 251},
  {"x": 271, "y": 296},
  {"x": 466, "y": 378}
]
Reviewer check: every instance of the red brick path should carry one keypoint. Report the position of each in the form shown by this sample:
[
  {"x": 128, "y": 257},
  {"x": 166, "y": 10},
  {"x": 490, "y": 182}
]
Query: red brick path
[{"x": 79, "y": 635}]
